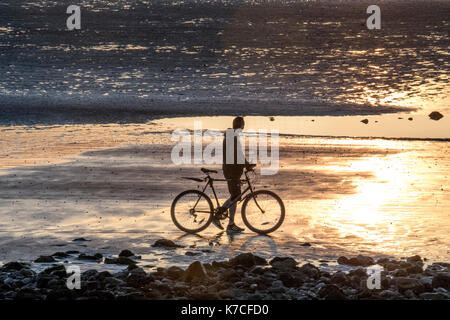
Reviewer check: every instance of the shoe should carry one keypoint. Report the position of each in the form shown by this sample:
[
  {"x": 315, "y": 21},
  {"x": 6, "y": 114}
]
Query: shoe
[
  {"x": 232, "y": 228},
  {"x": 217, "y": 223}
]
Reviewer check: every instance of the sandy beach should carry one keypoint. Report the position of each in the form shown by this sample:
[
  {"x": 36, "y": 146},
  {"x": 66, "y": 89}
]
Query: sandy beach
[{"x": 343, "y": 196}]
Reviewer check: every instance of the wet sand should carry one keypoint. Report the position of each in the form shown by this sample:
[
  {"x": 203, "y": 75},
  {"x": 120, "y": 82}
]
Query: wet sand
[{"x": 113, "y": 185}]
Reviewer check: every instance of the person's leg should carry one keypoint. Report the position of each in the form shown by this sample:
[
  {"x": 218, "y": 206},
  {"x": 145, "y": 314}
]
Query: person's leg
[{"x": 234, "y": 187}]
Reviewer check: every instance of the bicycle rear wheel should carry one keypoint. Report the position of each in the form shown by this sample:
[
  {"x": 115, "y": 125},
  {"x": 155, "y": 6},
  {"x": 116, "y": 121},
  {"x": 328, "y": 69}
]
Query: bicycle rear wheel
[
  {"x": 192, "y": 211},
  {"x": 263, "y": 212}
]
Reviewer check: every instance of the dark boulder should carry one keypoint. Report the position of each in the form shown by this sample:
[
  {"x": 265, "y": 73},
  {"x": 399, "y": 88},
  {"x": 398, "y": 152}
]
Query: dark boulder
[
  {"x": 45, "y": 259},
  {"x": 95, "y": 257},
  {"x": 283, "y": 263},
  {"x": 441, "y": 280},
  {"x": 174, "y": 272},
  {"x": 192, "y": 253},
  {"x": 310, "y": 270},
  {"x": 120, "y": 261},
  {"x": 195, "y": 271},
  {"x": 403, "y": 284},
  {"x": 10, "y": 266},
  {"x": 288, "y": 279},
  {"x": 247, "y": 260},
  {"x": 331, "y": 292},
  {"x": 356, "y": 261},
  {"x": 414, "y": 259},
  {"x": 60, "y": 255},
  {"x": 436, "y": 115},
  {"x": 339, "y": 278},
  {"x": 126, "y": 253},
  {"x": 165, "y": 243}
]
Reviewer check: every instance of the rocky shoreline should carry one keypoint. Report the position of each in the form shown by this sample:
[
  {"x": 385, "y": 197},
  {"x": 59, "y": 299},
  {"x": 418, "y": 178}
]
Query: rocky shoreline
[{"x": 246, "y": 276}]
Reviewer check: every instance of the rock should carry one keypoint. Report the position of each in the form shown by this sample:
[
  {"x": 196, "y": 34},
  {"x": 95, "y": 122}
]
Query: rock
[
  {"x": 44, "y": 259},
  {"x": 126, "y": 253},
  {"x": 442, "y": 265},
  {"x": 257, "y": 270},
  {"x": 165, "y": 243},
  {"x": 415, "y": 260},
  {"x": 441, "y": 280},
  {"x": 331, "y": 292},
  {"x": 90, "y": 274},
  {"x": 342, "y": 260},
  {"x": 191, "y": 253},
  {"x": 365, "y": 121},
  {"x": 382, "y": 261},
  {"x": 55, "y": 267},
  {"x": 288, "y": 279},
  {"x": 175, "y": 272},
  {"x": 389, "y": 294},
  {"x": 104, "y": 274},
  {"x": 60, "y": 255},
  {"x": 310, "y": 270},
  {"x": 95, "y": 257},
  {"x": 400, "y": 273},
  {"x": 359, "y": 273},
  {"x": 221, "y": 264},
  {"x": 272, "y": 119},
  {"x": 339, "y": 278},
  {"x": 277, "y": 287},
  {"x": 357, "y": 261},
  {"x": 410, "y": 119},
  {"x": 435, "y": 115},
  {"x": 414, "y": 269},
  {"x": 80, "y": 240},
  {"x": 14, "y": 266},
  {"x": 306, "y": 244},
  {"x": 72, "y": 252},
  {"x": 195, "y": 271},
  {"x": 136, "y": 277},
  {"x": 247, "y": 260},
  {"x": 433, "y": 296},
  {"x": 283, "y": 263},
  {"x": 404, "y": 284},
  {"x": 120, "y": 260}
]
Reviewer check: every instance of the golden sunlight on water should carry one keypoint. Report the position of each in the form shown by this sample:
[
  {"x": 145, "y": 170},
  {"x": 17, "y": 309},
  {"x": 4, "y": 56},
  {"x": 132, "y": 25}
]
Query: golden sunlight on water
[{"x": 342, "y": 194}]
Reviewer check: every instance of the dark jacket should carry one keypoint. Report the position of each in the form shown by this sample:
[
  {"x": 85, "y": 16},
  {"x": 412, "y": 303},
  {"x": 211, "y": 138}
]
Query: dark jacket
[{"x": 233, "y": 169}]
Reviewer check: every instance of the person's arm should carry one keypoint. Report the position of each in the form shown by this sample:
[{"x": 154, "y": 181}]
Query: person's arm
[{"x": 246, "y": 164}]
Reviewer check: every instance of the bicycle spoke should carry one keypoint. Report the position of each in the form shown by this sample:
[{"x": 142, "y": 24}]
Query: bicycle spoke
[
  {"x": 191, "y": 211},
  {"x": 264, "y": 212}
]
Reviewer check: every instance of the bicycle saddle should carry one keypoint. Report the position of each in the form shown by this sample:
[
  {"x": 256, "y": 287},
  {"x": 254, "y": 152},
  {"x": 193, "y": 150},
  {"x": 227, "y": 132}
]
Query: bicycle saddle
[{"x": 204, "y": 170}]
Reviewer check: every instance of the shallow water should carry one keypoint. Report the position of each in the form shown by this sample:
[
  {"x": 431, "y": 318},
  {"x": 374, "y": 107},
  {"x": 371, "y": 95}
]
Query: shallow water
[
  {"x": 344, "y": 196},
  {"x": 282, "y": 57}
]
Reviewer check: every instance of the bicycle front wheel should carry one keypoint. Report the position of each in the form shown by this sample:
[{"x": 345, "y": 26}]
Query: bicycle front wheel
[
  {"x": 263, "y": 211},
  {"x": 192, "y": 211}
]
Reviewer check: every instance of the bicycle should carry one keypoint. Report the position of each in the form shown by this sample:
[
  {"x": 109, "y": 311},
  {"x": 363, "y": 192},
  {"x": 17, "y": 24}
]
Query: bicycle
[{"x": 192, "y": 211}]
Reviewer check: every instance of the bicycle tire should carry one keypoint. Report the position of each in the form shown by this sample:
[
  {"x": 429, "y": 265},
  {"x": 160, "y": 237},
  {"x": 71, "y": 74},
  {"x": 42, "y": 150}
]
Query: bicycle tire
[
  {"x": 250, "y": 198},
  {"x": 173, "y": 213}
]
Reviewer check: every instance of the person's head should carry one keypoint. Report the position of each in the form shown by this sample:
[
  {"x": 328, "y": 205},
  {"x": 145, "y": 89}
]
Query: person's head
[{"x": 238, "y": 123}]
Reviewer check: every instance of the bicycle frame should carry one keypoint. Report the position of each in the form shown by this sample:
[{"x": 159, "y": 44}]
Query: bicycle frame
[{"x": 239, "y": 198}]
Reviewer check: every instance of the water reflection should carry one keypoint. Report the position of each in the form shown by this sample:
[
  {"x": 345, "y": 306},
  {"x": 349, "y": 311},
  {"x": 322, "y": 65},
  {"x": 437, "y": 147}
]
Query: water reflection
[{"x": 285, "y": 55}]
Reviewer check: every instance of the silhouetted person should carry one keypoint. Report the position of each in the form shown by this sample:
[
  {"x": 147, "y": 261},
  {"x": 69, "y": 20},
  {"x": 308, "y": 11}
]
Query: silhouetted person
[{"x": 233, "y": 168}]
